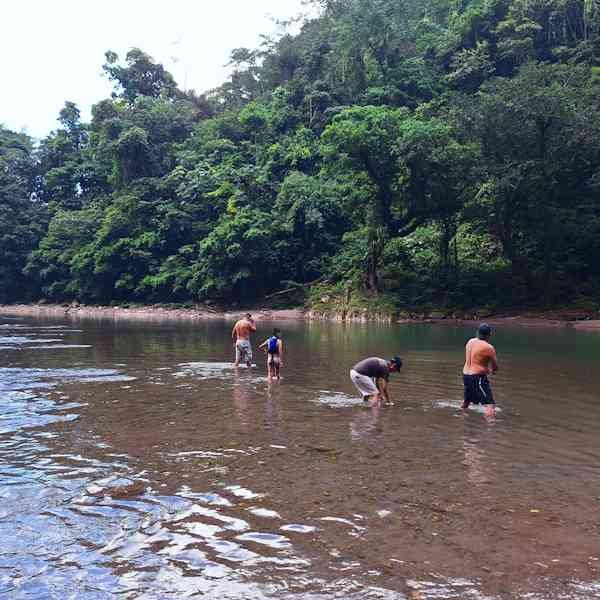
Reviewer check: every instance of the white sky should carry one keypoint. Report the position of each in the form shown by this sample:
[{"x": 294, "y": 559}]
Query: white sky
[{"x": 53, "y": 50}]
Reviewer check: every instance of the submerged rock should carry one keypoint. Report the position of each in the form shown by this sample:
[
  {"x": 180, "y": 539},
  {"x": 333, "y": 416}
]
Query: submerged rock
[{"x": 116, "y": 487}]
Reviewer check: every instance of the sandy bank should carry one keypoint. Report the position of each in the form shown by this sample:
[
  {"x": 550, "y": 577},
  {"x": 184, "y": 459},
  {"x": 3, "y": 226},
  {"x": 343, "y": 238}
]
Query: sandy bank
[
  {"x": 554, "y": 319},
  {"x": 141, "y": 313}
]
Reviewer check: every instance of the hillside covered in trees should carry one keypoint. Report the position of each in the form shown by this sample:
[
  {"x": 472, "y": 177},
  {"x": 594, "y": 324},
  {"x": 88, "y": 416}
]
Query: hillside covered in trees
[{"x": 435, "y": 152}]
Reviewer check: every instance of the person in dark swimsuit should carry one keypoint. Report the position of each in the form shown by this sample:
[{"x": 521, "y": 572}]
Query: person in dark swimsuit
[{"x": 480, "y": 361}]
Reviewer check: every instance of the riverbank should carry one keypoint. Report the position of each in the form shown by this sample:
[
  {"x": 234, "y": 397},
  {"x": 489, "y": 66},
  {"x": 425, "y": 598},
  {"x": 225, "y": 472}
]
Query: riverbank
[
  {"x": 142, "y": 313},
  {"x": 551, "y": 319}
]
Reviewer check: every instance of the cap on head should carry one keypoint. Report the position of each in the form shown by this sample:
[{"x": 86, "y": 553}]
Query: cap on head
[
  {"x": 397, "y": 361},
  {"x": 484, "y": 331}
]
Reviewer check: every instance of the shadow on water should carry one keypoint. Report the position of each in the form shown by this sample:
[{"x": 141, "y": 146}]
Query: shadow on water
[{"x": 137, "y": 462}]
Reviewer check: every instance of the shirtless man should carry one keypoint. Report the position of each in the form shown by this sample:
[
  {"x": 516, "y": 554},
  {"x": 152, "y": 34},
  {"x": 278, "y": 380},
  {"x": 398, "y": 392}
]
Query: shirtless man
[
  {"x": 241, "y": 338},
  {"x": 371, "y": 375},
  {"x": 480, "y": 361}
]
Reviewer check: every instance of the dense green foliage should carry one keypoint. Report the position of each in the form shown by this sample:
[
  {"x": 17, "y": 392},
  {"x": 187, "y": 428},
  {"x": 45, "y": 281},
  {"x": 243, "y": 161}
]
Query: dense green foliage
[{"x": 441, "y": 152}]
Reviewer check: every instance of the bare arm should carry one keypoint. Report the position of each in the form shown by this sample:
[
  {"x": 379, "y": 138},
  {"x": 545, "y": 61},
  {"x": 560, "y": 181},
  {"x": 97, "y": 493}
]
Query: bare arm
[
  {"x": 493, "y": 361},
  {"x": 252, "y": 325},
  {"x": 234, "y": 333},
  {"x": 280, "y": 348},
  {"x": 383, "y": 387},
  {"x": 263, "y": 344}
]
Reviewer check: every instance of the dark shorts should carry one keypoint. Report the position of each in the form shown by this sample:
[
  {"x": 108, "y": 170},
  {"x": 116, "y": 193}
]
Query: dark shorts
[{"x": 477, "y": 390}]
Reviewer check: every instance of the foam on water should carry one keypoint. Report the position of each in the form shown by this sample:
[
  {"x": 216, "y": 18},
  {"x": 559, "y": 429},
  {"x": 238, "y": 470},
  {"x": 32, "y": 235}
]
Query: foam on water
[
  {"x": 14, "y": 340},
  {"x": 298, "y": 528},
  {"x": 209, "y": 370},
  {"x": 337, "y": 399},
  {"x": 264, "y": 512},
  {"x": 242, "y": 492}
]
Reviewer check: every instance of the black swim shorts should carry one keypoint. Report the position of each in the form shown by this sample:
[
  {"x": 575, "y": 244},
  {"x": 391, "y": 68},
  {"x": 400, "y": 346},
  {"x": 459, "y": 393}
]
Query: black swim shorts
[{"x": 477, "y": 390}]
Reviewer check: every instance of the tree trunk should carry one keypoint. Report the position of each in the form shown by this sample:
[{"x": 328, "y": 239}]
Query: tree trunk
[{"x": 376, "y": 243}]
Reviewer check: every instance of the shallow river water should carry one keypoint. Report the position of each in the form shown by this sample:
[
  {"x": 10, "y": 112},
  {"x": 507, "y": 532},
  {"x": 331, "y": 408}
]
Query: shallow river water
[{"x": 136, "y": 462}]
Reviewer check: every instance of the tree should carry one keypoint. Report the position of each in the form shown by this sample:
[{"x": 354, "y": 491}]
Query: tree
[
  {"x": 22, "y": 218},
  {"x": 140, "y": 76},
  {"x": 431, "y": 151},
  {"x": 438, "y": 178},
  {"x": 364, "y": 139},
  {"x": 540, "y": 160}
]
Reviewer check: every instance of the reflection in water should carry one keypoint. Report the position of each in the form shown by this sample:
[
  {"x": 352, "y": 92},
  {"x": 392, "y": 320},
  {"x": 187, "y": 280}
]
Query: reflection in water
[
  {"x": 240, "y": 395},
  {"x": 366, "y": 423},
  {"x": 474, "y": 460},
  {"x": 135, "y": 462}
]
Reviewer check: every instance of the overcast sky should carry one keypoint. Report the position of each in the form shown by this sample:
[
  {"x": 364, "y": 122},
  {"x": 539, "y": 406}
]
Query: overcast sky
[{"x": 53, "y": 50}]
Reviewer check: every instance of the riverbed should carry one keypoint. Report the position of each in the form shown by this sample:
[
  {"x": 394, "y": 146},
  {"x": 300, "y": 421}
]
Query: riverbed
[{"x": 137, "y": 462}]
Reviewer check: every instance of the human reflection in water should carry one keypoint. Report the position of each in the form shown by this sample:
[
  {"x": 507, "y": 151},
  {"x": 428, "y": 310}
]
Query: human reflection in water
[
  {"x": 475, "y": 446},
  {"x": 475, "y": 461},
  {"x": 272, "y": 408},
  {"x": 366, "y": 424},
  {"x": 241, "y": 396}
]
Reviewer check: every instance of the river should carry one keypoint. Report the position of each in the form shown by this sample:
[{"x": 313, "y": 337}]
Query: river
[{"x": 136, "y": 462}]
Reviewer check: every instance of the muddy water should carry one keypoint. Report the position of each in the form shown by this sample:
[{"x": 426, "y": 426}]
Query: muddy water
[{"x": 136, "y": 462}]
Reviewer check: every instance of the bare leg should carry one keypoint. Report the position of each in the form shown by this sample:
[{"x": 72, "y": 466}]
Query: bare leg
[
  {"x": 490, "y": 413},
  {"x": 376, "y": 400}
]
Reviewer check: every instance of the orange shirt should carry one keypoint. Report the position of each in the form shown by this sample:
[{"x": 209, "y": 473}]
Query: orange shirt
[{"x": 480, "y": 358}]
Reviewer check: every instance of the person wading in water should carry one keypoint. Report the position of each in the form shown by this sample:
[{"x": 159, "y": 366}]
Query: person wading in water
[
  {"x": 274, "y": 349},
  {"x": 241, "y": 337},
  {"x": 480, "y": 361},
  {"x": 371, "y": 376}
]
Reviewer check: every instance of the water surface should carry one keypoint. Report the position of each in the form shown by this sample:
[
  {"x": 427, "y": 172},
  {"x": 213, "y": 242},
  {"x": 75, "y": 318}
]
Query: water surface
[{"x": 136, "y": 462}]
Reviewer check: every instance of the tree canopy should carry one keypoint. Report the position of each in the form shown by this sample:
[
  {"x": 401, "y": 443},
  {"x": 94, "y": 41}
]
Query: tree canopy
[{"x": 445, "y": 154}]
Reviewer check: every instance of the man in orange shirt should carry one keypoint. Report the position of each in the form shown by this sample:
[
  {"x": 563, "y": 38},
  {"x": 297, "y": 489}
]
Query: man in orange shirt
[{"x": 480, "y": 361}]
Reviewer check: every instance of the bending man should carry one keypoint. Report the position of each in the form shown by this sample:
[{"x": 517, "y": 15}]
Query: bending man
[{"x": 371, "y": 376}]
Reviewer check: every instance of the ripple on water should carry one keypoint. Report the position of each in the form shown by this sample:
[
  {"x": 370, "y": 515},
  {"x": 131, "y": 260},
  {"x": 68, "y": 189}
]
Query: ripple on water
[
  {"x": 19, "y": 339},
  {"x": 298, "y": 528},
  {"x": 204, "y": 370},
  {"x": 447, "y": 588},
  {"x": 242, "y": 492},
  {"x": 337, "y": 399},
  {"x": 272, "y": 540},
  {"x": 343, "y": 521},
  {"x": 230, "y": 551},
  {"x": 60, "y": 346},
  {"x": 264, "y": 512},
  {"x": 25, "y": 410},
  {"x": 205, "y": 498},
  {"x": 457, "y": 405},
  {"x": 12, "y": 378}
]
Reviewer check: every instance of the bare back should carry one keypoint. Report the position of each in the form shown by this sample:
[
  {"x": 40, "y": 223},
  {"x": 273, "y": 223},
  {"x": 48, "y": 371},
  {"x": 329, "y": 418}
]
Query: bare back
[
  {"x": 480, "y": 358},
  {"x": 242, "y": 329}
]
